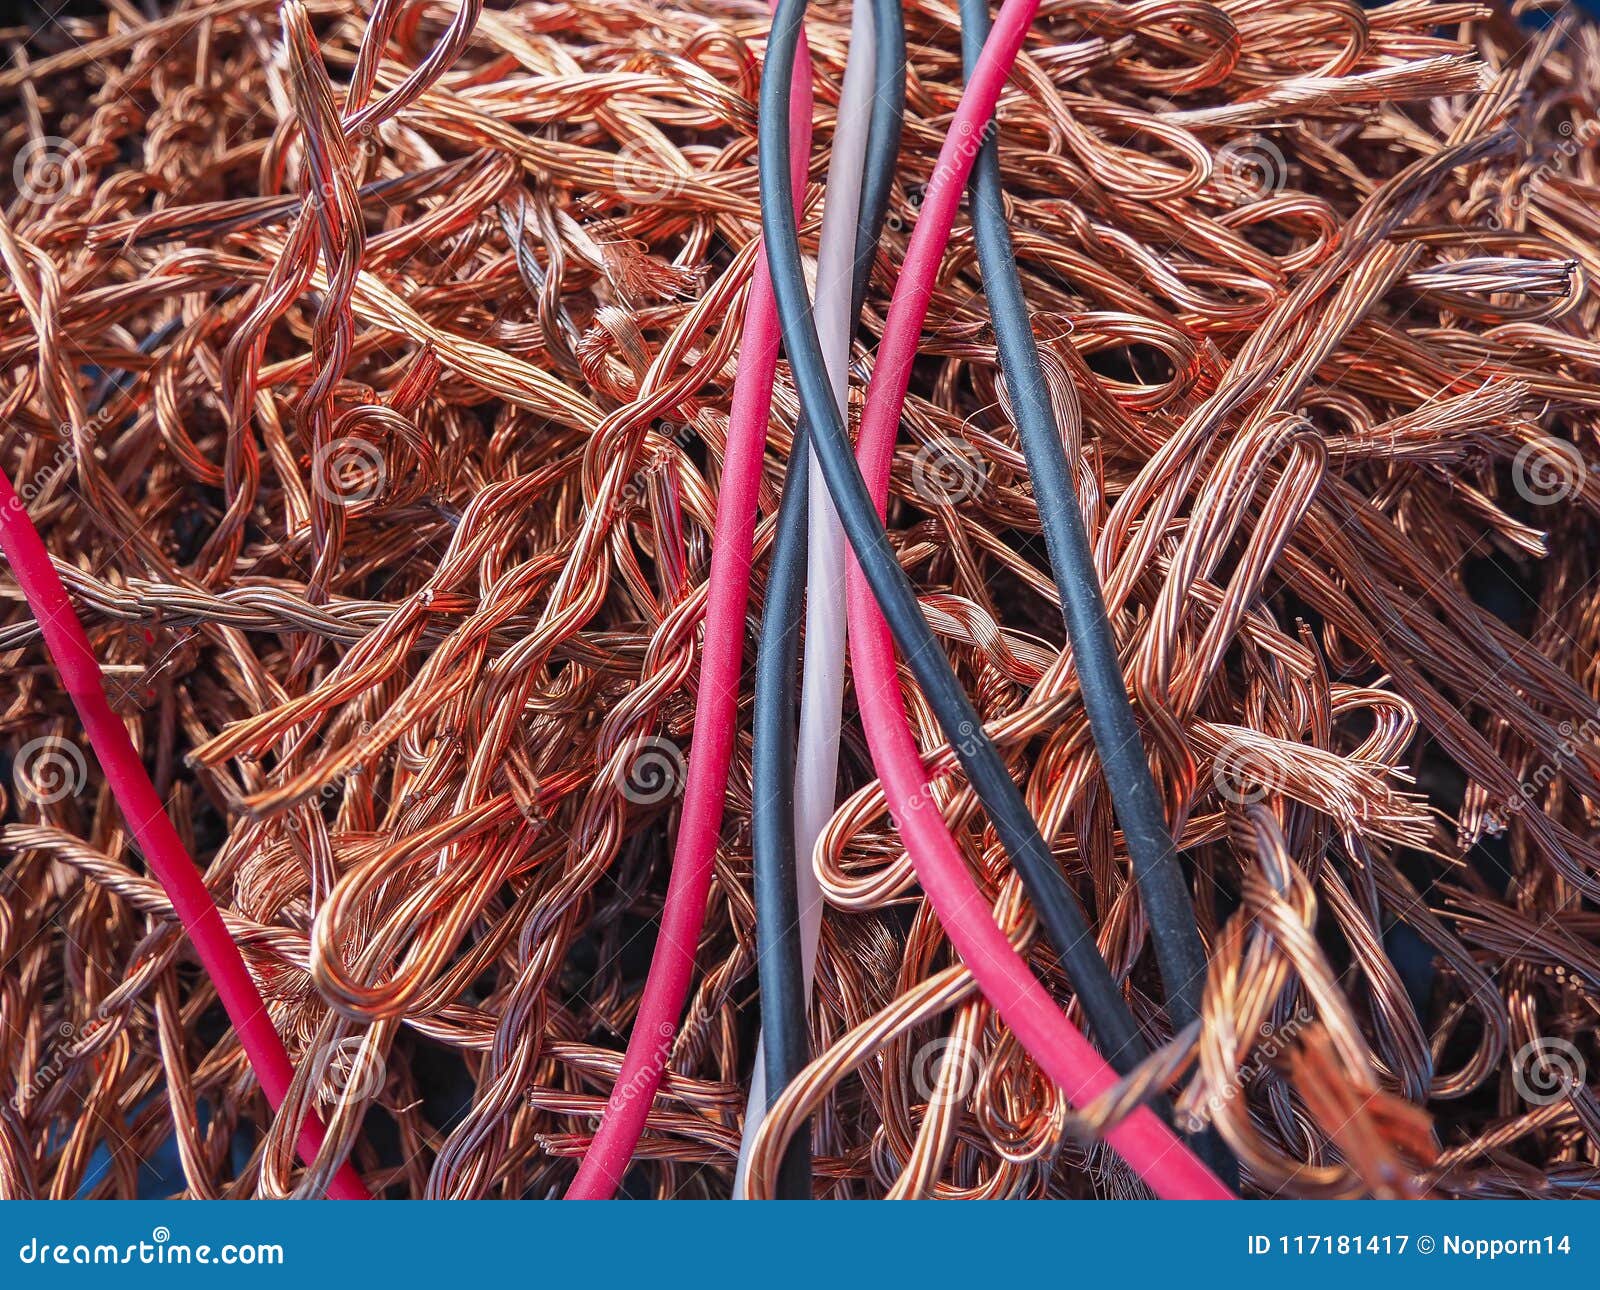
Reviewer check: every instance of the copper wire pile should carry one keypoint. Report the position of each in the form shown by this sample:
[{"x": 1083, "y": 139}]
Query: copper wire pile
[{"x": 321, "y": 342}]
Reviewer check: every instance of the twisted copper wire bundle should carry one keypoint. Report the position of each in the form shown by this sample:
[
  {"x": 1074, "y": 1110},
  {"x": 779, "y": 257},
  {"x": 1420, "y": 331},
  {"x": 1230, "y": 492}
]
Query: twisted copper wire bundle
[{"x": 366, "y": 368}]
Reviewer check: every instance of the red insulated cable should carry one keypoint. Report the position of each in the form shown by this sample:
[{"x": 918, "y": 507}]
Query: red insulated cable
[
  {"x": 1148, "y": 1145},
  {"x": 715, "y": 718},
  {"x": 142, "y": 808}
]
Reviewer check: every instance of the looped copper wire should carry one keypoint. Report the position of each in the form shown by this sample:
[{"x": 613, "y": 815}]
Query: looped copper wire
[{"x": 1170, "y": 25}]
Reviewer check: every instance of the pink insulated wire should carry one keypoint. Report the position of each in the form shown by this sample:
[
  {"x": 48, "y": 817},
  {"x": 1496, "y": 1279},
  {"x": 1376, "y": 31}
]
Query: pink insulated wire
[
  {"x": 1147, "y": 1144},
  {"x": 141, "y": 807},
  {"x": 715, "y": 717}
]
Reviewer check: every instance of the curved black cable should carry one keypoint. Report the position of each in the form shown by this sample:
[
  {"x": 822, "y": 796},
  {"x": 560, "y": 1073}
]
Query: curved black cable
[
  {"x": 780, "y": 961},
  {"x": 779, "y": 958},
  {"x": 1167, "y": 904},
  {"x": 1057, "y": 906}
]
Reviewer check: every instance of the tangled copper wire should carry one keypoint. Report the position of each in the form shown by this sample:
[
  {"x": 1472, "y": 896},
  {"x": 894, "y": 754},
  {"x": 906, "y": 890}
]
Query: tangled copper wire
[{"x": 366, "y": 367}]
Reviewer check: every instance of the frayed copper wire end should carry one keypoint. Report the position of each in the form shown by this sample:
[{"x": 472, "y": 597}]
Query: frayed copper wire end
[{"x": 367, "y": 371}]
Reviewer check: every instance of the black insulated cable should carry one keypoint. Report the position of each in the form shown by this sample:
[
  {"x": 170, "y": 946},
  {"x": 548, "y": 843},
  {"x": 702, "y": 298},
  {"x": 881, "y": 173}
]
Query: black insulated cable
[
  {"x": 780, "y": 963},
  {"x": 1168, "y": 907}
]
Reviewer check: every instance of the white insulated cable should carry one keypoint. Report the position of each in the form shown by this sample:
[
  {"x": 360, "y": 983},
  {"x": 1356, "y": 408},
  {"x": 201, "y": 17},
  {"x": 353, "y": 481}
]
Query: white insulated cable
[{"x": 822, "y": 679}]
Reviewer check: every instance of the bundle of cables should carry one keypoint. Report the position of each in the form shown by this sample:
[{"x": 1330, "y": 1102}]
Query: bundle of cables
[
  {"x": 1020, "y": 1000},
  {"x": 1162, "y": 409}
]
